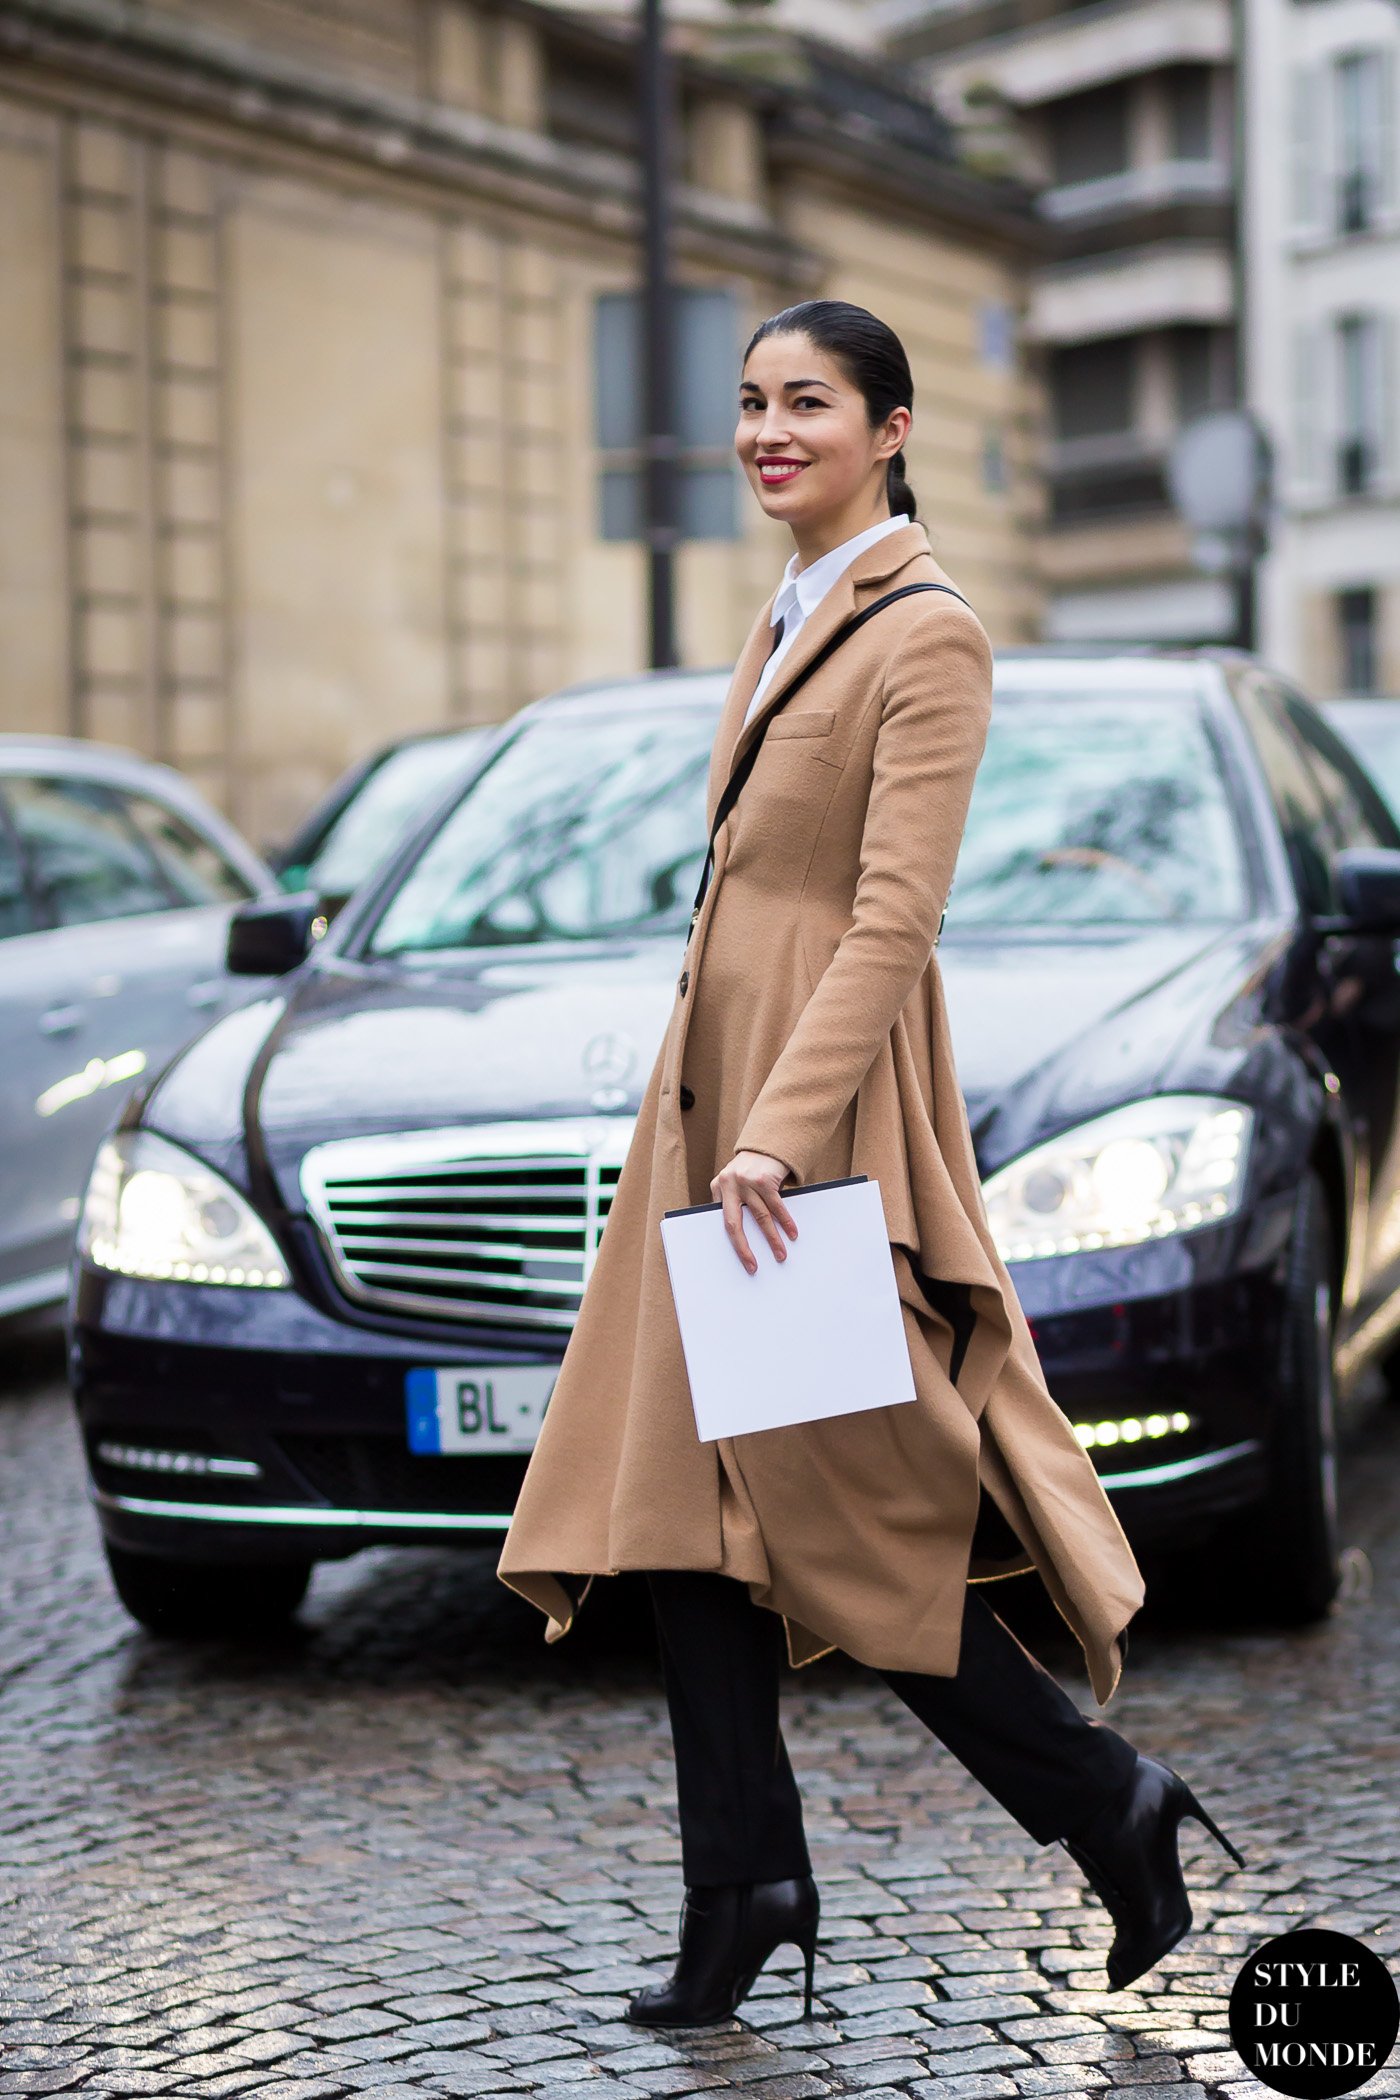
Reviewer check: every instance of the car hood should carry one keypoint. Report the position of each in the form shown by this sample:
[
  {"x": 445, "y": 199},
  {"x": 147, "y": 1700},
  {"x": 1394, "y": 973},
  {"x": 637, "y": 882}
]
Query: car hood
[{"x": 1046, "y": 1032}]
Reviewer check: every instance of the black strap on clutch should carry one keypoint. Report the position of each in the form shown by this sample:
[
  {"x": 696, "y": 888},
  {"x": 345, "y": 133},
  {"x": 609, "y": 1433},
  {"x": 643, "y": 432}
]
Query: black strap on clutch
[{"x": 742, "y": 771}]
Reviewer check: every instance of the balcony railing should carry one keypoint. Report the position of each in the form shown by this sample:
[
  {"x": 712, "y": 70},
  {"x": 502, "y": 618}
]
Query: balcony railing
[
  {"x": 1138, "y": 189},
  {"x": 1104, "y": 451},
  {"x": 1118, "y": 473}
]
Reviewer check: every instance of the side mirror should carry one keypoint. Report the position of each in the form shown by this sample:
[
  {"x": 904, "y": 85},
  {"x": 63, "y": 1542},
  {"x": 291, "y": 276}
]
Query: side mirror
[
  {"x": 1368, "y": 888},
  {"x": 271, "y": 936}
]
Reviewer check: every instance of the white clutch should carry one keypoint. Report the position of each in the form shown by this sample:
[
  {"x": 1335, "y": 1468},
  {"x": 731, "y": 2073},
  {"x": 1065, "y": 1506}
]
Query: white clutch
[{"x": 801, "y": 1340}]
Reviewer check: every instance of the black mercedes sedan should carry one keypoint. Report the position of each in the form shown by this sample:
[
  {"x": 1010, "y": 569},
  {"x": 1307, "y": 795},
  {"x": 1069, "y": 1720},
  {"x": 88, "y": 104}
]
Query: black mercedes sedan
[{"x": 329, "y": 1261}]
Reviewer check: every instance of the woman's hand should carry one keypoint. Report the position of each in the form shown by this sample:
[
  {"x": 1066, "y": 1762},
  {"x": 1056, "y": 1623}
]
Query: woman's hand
[{"x": 754, "y": 1178}]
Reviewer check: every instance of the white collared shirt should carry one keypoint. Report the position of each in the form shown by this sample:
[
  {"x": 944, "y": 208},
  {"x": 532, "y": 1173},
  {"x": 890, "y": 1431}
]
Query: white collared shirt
[{"x": 801, "y": 592}]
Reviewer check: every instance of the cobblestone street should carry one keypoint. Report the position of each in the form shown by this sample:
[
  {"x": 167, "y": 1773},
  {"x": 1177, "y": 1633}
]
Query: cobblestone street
[{"x": 412, "y": 1851}]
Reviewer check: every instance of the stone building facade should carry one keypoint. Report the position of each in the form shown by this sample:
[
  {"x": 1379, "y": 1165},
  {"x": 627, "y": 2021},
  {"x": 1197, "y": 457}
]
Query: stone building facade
[{"x": 299, "y": 361}]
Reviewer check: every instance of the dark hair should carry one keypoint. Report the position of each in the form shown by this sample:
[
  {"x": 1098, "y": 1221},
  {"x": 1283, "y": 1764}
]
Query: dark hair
[{"x": 871, "y": 355}]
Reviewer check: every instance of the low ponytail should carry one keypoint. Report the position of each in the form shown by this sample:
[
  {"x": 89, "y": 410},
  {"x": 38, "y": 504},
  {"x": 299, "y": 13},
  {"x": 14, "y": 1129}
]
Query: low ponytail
[
  {"x": 874, "y": 359},
  {"x": 900, "y": 494}
]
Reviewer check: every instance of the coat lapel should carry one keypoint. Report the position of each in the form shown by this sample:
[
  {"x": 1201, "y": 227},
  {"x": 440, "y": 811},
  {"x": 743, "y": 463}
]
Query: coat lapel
[
  {"x": 747, "y": 671},
  {"x": 845, "y": 597}
]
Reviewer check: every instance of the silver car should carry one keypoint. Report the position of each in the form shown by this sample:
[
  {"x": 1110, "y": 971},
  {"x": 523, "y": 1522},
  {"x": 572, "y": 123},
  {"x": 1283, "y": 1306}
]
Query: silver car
[{"x": 116, "y": 885}]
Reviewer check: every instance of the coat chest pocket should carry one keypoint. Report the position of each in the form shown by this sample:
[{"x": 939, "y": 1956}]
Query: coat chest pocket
[
  {"x": 794, "y": 777},
  {"x": 811, "y": 721}
]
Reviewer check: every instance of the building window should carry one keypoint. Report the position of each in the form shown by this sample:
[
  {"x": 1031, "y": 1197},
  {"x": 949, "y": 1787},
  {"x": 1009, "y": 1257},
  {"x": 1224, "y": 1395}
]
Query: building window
[
  {"x": 590, "y": 105},
  {"x": 1362, "y": 404},
  {"x": 1356, "y": 632},
  {"x": 1092, "y": 388},
  {"x": 1192, "y": 113},
  {"x": 1088, "y": 135},
  {"x": 996, "y": 335},
  {"x": 1203, "y": 377},
  {"x": 996, "y": 475},
  {"x": 707, "y": 368},
  {"x": 1307, "y": 468},
  {"x": 1361, "y": 116}
]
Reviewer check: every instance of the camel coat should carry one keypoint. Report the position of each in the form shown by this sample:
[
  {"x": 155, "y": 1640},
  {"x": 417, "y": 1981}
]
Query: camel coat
[{"x": 809, "y": 1023}]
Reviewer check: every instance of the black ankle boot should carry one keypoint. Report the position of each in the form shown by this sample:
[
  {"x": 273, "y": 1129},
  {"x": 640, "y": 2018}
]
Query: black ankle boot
[
  {"x": 727, "y": 1934},
  {"x": 1128, "y": 1852}
]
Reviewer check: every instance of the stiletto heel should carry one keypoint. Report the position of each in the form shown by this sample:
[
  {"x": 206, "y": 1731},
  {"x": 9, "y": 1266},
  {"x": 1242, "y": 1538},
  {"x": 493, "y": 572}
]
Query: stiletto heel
[
  {"x": 726, "y": 1936},
  {"x": 1193, "y": 1807},
  {"x": 1128, "y": 1852}
]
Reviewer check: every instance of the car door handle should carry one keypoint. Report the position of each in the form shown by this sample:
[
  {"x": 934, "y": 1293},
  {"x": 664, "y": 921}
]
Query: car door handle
[
  {"x": 62, "y": 1020},
  {"x": 207, "y": 994}
]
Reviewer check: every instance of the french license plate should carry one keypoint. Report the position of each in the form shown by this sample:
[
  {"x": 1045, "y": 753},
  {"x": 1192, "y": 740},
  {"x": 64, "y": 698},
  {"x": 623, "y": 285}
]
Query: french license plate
[{"x": 491, "y": 1407}]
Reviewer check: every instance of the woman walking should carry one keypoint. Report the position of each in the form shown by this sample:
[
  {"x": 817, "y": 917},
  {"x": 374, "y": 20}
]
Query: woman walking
[{"x": 809, "y": 1041}]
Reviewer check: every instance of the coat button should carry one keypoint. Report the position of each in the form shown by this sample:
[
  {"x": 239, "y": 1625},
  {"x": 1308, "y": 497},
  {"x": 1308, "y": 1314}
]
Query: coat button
[
  {"x": 687, "y": 1097},
  {"x": 684, "y": 982}
]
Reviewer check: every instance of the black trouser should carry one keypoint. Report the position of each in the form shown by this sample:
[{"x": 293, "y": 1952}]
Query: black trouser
[{"x": 1003, "y": 1715}]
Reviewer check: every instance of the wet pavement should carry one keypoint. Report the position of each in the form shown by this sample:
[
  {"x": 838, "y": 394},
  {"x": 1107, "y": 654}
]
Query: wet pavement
[{"x": 410, "y": 1850}]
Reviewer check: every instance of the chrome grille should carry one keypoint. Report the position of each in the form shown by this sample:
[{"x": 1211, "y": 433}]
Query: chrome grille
[{"x": 500, "y": 1222}]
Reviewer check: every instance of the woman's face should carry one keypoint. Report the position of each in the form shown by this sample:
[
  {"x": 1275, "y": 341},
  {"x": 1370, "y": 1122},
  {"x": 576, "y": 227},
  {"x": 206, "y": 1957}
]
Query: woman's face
[{"x": 804, "y": 436}]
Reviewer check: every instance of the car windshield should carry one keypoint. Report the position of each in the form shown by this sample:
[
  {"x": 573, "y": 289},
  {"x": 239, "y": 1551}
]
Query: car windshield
[
  {"x": 373, "y": 818},
  {"x": 1087, "y": 810},
  {"x": 1099, "y": 809},
  {"x": 586, "y": 827}
]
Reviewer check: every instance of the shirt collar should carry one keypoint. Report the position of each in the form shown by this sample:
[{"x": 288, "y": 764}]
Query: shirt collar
[{"x": 806, "y": 588}]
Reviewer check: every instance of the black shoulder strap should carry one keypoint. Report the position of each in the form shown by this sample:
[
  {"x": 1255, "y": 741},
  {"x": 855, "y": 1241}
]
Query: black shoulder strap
[{"x": 828, "y": 649}]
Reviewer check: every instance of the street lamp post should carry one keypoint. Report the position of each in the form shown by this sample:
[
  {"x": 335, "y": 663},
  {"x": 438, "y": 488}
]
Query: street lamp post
[{"x": 659, "y": 479}]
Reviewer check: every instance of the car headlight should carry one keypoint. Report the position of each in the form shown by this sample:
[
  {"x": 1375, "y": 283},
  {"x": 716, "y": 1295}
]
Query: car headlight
[
  {"x": 1142, "y": 1172},
  {"x": 155, "y": 1211}
]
